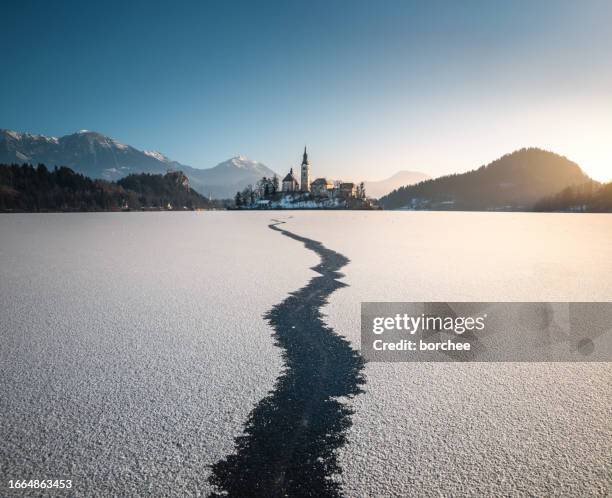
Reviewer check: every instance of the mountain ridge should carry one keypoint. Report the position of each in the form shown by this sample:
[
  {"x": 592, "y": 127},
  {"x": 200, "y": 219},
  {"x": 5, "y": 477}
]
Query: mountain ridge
[
  {"x": 513, "y": 182},
  {"x": 380, "y": 188},
  {"x": 99, "y": 156}
]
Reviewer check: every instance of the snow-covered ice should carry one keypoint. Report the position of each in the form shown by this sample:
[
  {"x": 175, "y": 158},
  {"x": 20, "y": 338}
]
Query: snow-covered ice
[
  {"x": 480, "y": 429},
  {"x": 133, "y": 348},
  {"x": 133, "y": 344}
]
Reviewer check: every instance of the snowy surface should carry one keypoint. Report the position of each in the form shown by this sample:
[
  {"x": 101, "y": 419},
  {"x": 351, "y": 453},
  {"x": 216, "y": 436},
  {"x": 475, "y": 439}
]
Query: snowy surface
[
  {"x": 119, "y": 145},
  {"x": 156, "y": 155},
  {"x": 13, "y": 134},
  {"x": 243, "y": 162},
  {"x": 133, "y": 346},
  {"x": 473, "y": 429},
  {"x": 133, "y": 349},
  {"x": 288, "y": 202}
]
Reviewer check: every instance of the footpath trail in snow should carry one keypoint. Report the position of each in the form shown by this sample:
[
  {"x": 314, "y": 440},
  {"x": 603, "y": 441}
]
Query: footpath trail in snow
[{"x": 291, "y": 437}]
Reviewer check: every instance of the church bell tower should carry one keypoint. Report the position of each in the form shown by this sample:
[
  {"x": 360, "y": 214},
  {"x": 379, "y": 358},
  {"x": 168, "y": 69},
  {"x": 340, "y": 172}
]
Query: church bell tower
[{"x": 305, "y": 183}]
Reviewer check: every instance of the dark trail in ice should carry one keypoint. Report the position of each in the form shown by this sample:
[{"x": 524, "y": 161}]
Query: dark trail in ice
[{"x": 292, "y": 436}]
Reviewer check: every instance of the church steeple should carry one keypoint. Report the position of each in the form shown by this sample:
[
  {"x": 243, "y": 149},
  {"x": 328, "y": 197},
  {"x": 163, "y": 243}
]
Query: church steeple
[{"x": 305, "y": 177}]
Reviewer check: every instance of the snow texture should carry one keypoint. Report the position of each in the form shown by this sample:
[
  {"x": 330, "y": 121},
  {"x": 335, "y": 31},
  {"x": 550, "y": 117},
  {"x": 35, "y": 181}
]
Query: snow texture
[
  {"x": 133, "y": 349},
  {"x": 156, "y": 155},
  {"x": 288, "y": 202},
  {"x": 480, "y": 429},
  {"x": 133, "y": 344}
]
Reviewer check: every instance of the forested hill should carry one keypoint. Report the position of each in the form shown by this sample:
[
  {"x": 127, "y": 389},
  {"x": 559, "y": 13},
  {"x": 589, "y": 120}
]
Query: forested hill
[
  {"x": 29, "y": 188},
  {"x": 516, "y": 181},
  {"x": 592, "y": 197}
]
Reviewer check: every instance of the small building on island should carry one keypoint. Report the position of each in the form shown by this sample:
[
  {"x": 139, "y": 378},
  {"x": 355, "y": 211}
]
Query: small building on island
[
  {"x": 321, "y": 187},
  {"x": 290, "y": 183},
  {"x": 348, "y": 190}
]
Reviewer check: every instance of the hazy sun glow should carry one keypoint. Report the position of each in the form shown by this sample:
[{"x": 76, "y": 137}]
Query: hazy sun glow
[{"x": 602, "y": 172}]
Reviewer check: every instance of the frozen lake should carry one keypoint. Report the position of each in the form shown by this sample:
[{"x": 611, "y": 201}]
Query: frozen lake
[
  {"x": 479, "y": 428},
  {"x": 134, "y": 348},
  {"x": 133, "y": 345}
]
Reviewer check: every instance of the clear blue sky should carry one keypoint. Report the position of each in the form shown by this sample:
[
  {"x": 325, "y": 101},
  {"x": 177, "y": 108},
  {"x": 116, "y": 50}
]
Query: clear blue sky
[{"x": 371, "y": 87}]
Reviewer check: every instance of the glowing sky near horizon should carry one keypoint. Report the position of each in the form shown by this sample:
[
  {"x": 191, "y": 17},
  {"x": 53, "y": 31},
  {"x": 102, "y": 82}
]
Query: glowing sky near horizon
[{"x": 370, "y": 87}]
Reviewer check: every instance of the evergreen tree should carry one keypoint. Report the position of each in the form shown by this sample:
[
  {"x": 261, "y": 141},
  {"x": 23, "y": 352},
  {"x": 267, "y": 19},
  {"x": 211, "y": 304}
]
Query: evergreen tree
[
  {"x": 25, "y": 188},
  {"x": 275, "y": 184}
]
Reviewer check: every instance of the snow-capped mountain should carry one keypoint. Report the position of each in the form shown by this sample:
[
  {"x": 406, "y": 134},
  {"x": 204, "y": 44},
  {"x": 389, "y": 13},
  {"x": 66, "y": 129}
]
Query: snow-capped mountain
[
  {"x": 234, "y": 174},
  {"x": 157, "y": 155},
  {"x": 98, "y": 156},
  {"x": 379, "y": 188}
]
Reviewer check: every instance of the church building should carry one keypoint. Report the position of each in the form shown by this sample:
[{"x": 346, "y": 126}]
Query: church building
[
  {"x": 319, "y": 188},
  {"x": 302, "y": 192},
  {"x": 290, "y": 183}
]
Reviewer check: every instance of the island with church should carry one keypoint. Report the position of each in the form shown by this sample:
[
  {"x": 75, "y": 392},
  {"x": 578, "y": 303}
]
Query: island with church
[{"x": 291, "y": 193}]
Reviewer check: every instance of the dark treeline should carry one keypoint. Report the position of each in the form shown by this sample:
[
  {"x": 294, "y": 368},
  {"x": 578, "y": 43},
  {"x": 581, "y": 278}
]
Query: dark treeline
[
  {"x": 515, "y": 181},
  {"x": 28, "y": 188},
  {"x": 589, "y": 197}
]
